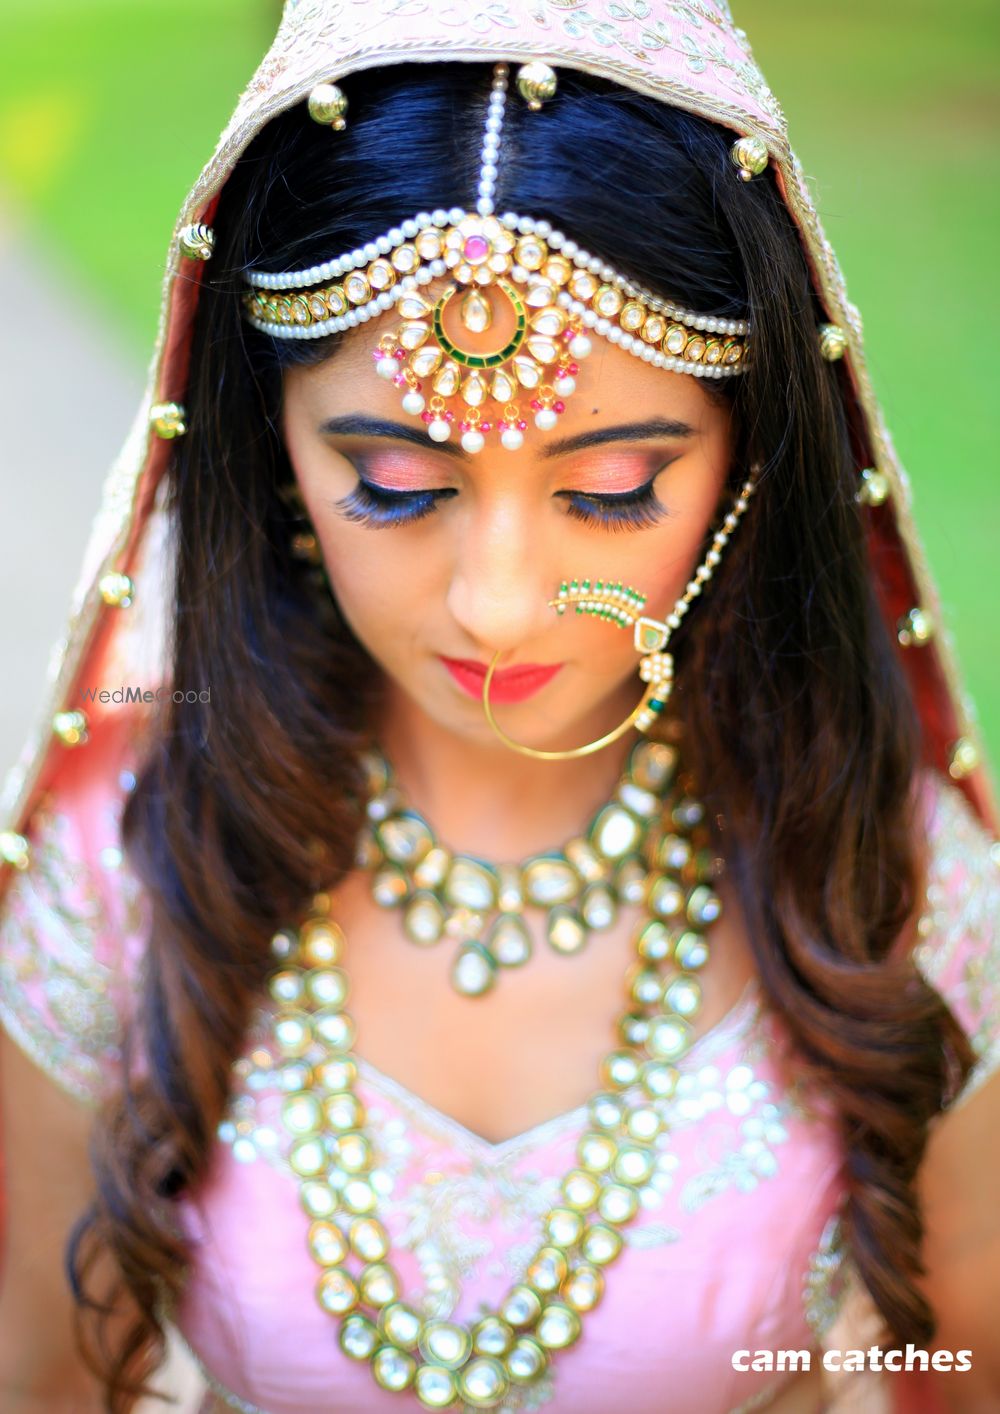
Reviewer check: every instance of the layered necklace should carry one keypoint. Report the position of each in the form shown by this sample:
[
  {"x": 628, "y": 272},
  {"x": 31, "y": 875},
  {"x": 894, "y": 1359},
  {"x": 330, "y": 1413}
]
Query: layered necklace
[
  {"x": 480, "y": 905},
  {"x": 332, "y": 1150}
]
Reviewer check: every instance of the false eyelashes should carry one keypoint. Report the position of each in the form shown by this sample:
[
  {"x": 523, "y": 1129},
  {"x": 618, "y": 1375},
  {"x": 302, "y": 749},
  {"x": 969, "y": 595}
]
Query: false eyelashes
[{"x": 373, "y": 505}]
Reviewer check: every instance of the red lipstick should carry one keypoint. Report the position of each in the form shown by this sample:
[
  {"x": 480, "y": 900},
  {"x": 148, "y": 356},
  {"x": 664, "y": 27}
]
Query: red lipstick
[{"x": 509, "y": 684}]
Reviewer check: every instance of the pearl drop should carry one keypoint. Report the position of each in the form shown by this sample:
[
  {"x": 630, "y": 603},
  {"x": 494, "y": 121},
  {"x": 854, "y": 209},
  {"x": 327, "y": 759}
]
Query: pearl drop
[
  {"x": 439, "y": 430},
  {"x": 413, "y": 403},
  {"x": 387, "y": 367},
  {"x": 580, "y": 346},
  {"x": 512, "y": 438},
  {"x": 565, "y": 386},
  {"x": 472, "y": 441},
  {"x": 546, "y": 419}
]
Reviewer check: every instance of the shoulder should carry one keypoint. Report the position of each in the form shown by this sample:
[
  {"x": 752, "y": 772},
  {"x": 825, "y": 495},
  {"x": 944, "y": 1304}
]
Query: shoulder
[
  {"x": 72, "y": 924},
  {"x": 958, "y": 933}
]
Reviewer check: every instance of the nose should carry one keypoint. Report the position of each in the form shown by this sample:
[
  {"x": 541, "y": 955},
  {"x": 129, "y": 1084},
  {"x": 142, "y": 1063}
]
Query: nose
[{"x": 501, "y": 582}]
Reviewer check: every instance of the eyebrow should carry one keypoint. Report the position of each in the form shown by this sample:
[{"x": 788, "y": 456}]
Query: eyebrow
[{"x": 359, "y": 425}]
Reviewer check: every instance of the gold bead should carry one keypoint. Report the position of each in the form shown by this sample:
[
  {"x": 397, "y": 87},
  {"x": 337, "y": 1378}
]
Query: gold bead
[
  {"x": 327, "y": 105},
  {"x": 379, "y": 1284},
  {"x": 326, "y": 1243},
  {"x": 318, "y": 1199},
  {"x": 483, "y": 1382},
  {"x": 358, "y": 1337},
  {"x": 583, "y": 1287},
  {"x": 302, "y": 1114},
  {"x": 400, "y": 1324},
  {"x": 492, "y": 1336},
  {"x": 70, "y": 728},
  {"x": 116, "y": 589},
  {"x": 14, "y": 849},
  {"x": 197, "y": 241},
  {"x": 435, "y": 1387},
  {"x": 168, "y": 420},
  {"x": 536, "y": 83},
  {"x": 558, "y": 1326},
  {"x": 963, "y": 758},
  {"x": 874, "y": 487},
  {"x": 521, "y": 1307},
  {"x": 322, "y": 942},
  {"x": 307, "y": 1157},
  {"x": 562, "y": 1227},
  {"x": 832, "y": 342},
  {"x": 915, "y": 628},
  {"x": 393, "y": 1369},
  {"x": 548, "y": 1270},
  {"x": 601, "y": 1244},
  {"x": 369, "y": 1239},
  {"x": 445, "y": 1343},
  {"x": 749, "y": 154},
  {"x": 336, "y": 1292},
  {"x": 526, "y": 1362}
]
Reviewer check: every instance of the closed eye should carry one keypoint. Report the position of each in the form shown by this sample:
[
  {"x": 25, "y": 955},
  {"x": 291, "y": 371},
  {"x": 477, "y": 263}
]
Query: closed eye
[
  {"x": 371, "y": 504},
  {"x": 618, "y": 510}
]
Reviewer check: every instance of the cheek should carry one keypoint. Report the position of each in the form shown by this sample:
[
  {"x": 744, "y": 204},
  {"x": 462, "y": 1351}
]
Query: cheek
[
  {"x": 674, "y": 550},
  {"x": 384, "y": 586}
]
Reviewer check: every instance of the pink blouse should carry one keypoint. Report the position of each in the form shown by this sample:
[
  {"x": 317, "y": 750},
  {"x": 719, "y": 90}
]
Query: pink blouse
[{"x": 738, "y": 1242}]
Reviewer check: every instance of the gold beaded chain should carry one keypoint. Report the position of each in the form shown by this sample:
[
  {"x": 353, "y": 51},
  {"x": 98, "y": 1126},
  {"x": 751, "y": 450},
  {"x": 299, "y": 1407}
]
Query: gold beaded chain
[
  {"x": 580, "y": 887},
  {"x": 332, "y": 1153}
]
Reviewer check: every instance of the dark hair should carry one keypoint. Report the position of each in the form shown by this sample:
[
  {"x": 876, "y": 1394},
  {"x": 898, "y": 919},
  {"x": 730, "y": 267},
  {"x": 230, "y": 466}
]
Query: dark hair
[{"x": 798, "y": 723}]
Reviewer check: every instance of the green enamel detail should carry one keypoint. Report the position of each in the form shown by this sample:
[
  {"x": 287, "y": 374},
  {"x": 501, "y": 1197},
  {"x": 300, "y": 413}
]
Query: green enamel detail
[{"x": 468, "y": 360}]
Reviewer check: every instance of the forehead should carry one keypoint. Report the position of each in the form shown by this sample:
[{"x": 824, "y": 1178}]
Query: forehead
[{"x": 611, "y": 386}]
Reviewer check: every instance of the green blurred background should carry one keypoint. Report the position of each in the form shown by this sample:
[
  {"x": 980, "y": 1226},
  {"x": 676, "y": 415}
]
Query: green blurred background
[{"x": 108, "y": 108}]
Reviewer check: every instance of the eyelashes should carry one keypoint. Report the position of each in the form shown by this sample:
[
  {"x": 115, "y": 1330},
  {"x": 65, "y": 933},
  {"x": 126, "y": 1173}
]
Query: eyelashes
[
  {"x": 373, "y": 505},
  {"x": 369, "y": 504}
]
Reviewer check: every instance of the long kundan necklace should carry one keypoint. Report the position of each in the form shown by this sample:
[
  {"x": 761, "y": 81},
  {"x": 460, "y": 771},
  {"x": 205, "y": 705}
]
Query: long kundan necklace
[{"x": 332, "y": 1152}]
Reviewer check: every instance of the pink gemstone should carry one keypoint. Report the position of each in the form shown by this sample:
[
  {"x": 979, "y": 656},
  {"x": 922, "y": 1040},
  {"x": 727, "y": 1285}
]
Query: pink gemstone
[{"x": 476, "y": 248}]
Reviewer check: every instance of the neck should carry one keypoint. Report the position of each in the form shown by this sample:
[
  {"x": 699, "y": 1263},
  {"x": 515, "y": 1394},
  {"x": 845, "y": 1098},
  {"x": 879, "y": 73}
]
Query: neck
[{"x": 482, "y": 798}]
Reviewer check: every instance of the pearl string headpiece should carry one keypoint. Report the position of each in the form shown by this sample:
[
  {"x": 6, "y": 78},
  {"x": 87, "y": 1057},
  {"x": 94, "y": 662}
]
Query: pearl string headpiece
[{"x": 515, "y": 319}]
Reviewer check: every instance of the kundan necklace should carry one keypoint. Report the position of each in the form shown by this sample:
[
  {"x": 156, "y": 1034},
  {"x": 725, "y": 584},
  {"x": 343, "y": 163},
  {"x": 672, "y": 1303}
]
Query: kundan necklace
[
  {"x": 332, "y": 1152},
  {"x": 481, "y": 905}
]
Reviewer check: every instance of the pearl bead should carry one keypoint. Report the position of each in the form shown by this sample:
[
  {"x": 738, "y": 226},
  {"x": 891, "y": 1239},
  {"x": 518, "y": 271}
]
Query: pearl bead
[
  {"x": 546, "y": 419},
  {"x": 473, "y": 440},
  {"x": 439, "y": 430},
  {"x": 565, "y": 386},
  {"x": 580, "y": 346},
  {"x": 512, "y": 438},
  {"x": 413, "y": 403}
]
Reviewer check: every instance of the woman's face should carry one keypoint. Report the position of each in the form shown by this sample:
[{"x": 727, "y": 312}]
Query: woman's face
[{"x": 440, "y": 559}]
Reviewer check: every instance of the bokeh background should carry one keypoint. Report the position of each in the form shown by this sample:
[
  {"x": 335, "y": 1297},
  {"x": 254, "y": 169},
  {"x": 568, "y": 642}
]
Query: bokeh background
[{"x": 109, "y": 107}]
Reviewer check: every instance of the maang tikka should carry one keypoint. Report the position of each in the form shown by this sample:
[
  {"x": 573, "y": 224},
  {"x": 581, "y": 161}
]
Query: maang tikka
[{"x": 515, "y": 319}]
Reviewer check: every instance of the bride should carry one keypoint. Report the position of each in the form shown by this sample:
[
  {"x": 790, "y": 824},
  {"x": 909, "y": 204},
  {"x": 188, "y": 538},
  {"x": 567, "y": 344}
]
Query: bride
[{"x": 527, "y": 936}]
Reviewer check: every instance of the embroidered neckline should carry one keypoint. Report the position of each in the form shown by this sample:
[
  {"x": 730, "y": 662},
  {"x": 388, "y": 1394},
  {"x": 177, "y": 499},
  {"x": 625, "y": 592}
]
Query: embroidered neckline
[{"x": 733, "y": 1023}]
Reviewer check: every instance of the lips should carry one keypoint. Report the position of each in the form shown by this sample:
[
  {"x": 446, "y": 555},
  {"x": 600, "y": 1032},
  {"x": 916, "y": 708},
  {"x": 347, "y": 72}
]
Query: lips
[{"x": 514, "y": 684}]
